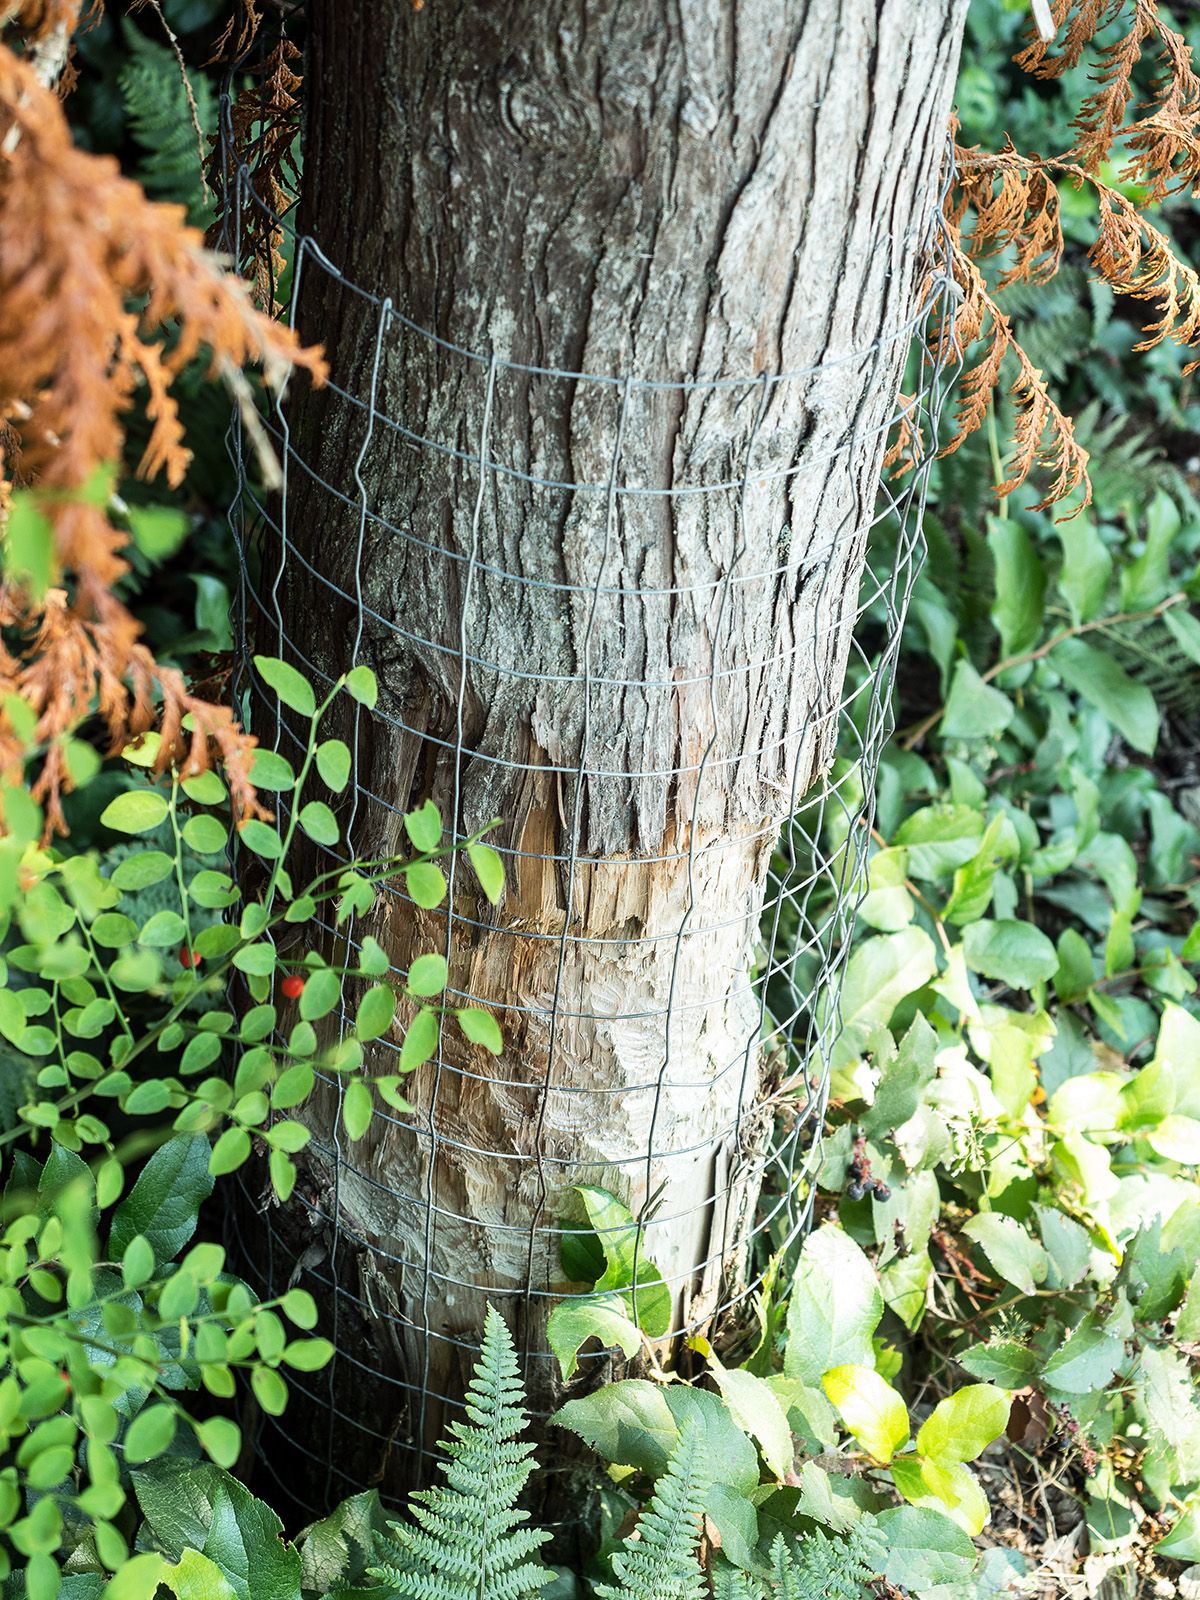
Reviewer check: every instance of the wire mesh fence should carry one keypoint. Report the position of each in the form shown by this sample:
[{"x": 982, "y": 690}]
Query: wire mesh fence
[{"x": 670, "y": 1012}]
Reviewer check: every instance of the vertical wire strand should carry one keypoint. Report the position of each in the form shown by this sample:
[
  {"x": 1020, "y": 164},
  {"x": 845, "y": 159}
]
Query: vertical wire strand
[
  {"x": 485, "y": 433},
  {"x": 385, "y": 312},
  {"x": 610, "y": 518},
  {"x": 739, "y": 550}
]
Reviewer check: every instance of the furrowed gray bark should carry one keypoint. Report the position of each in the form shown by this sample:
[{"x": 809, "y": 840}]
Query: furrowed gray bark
[{"x": 622, "y": 187}]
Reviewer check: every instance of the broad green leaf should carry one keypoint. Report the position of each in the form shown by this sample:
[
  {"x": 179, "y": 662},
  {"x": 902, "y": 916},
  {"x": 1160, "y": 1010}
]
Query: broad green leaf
[
  {"x": 904, "y": 1080},
  {"x": 974, "y": 710},
  {"x": 259, "y": 837},
  {"x": 888, "y": 905},
  {"x": 308, "y": 1355},
  {"x": 1001, "y": 1361},
  {"x": 191, "y": 1505},
  {"x": 163, "y": 1206},
  {"x": 336, "y": 1552},
  {"x": 925, "y": 1548},
  {"x": 229, "y": 1152},
  {"x": 1177, "y": 1138},
  {"x": 1020, "y": 598},
  {"x": 949, "y": 1485},
  {"x": 835, "y": 1306},
  {"x": 872, "y": 1410},
  {"x": 1186, "y": 631},
  {"x": 637, "y": 1423},
  {"x": 1085, "y": 1362},
  {"x": 1015, "y": 1254},
  {"x": 573, "y": 1322},
  {"x": 623, "y": 1244},
  {"x": 136, "y": 811},
  {"x": 1182, "y": 1543},
  {"x": 1103, "y": 682},
  {"x": 112, "y": 930},
  {"x": 163, "y": 930},
  {"x": 1147, "y": 578},
  {"x": 205, "y": 788},
  {"x": 158, "y": 531},
  {"x": 137, "y": 1579},
  {"x": 29, "y": 546},
  {"x": 205, "y": 835},
  {"x": 221, "y": 1439},
  {"x": 904, "y": 1282},
  {"x": 269, "y": 1390},
  {"x": 963, "y": 1425},
  {"x": 289, "y": 686},
  {"x": 939, "y": 838},
  {"x": 1014, "y": 952},
  {"x": 757, "y": 1411},
  {"x": 137, "y": 1263},
  {"x": 1069, "y": 1248},
  {"x": 1086, "y": 568},
  {"x": 882, "y": 972},
  {"x": 1076, "y": 969}
]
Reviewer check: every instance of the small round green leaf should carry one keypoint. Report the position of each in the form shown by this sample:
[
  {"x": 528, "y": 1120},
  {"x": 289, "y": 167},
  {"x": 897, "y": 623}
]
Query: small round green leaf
[
  {"x": 136, "y": 811},
  {"x": 333, "y": 764},
  {"x": 375, "y": 1012},
  {"x": 149, "y": 1434},
  {"x": 357, "y": 1108},
  {"x": 480, "y": 1027},
  {"x": 319, "y": 823},
  {"x": 289, "y": 686},
  {"x": 427, "y": 975}
]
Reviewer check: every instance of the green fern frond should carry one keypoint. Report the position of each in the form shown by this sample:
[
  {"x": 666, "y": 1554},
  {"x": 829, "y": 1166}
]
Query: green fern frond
[
  {"x": 659, "y": 1561},
  {"x": 817, "y": 1567},
  {"x": 467, "y": 1540},
  {"x": 734, "y": 1583},
  {"x": 159, "y": 118}
]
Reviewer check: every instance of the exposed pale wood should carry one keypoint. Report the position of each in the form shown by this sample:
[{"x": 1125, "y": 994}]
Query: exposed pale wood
[{"x": 650, "y": 188}]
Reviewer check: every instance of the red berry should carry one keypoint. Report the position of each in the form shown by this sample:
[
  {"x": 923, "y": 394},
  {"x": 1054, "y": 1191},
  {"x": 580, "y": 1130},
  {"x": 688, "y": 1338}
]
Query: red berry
[
  {"x": 188, "y": 958},
  {"x": 292, "y": 986}
]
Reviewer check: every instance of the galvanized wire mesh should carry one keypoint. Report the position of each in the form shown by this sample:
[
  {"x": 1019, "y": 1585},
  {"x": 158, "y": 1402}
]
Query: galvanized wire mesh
[{"x": 793, "y": 940}]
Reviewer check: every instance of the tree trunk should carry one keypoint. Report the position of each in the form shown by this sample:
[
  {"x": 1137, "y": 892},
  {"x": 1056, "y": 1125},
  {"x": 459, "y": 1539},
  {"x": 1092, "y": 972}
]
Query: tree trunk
[{"x": 652, "y": 584}]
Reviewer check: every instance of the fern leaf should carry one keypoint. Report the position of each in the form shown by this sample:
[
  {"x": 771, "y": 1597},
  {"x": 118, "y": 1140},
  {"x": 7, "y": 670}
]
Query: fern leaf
[
  {"x": 735, "y": 1583},
  {"x": 658, "y": 1561},
  {"x": 162, "y": 117},
  {"x": 467, "y": 1540},
  {"x": 817, "y": 1567}
]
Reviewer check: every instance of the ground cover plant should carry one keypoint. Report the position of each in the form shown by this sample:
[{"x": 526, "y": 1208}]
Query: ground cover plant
[{"x": 978, "y": 1375}]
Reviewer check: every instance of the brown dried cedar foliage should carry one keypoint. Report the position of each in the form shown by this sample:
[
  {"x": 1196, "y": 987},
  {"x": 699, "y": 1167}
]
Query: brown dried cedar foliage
[
  {"x": 92, "y": 275},
  {"x": 264, "y": 125},
  {"x": 1008, "y": 202},
  {"x": 239, "y": 32}
]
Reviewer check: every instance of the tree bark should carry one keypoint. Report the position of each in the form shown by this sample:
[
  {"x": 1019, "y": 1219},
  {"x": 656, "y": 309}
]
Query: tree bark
[{"x": 653, "y": 588}]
